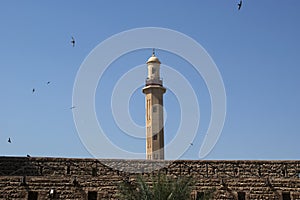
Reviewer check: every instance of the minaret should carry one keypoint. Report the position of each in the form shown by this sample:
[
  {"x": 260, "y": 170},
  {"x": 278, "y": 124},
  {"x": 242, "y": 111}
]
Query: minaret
[{"x": 154, "y": 91}]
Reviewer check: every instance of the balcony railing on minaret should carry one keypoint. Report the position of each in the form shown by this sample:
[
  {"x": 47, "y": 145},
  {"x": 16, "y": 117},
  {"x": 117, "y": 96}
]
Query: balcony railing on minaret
[{"x": 154, "y": 82}]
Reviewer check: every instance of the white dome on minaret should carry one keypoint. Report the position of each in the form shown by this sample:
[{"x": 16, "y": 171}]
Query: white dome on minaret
[{"x": 153, "y": 59}]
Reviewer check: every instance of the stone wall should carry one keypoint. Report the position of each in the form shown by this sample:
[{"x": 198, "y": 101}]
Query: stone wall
[{"x": 22, "y": 177}]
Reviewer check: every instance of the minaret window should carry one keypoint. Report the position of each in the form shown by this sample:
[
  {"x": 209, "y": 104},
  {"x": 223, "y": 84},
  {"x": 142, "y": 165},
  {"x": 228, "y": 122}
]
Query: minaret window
[
  {"x": 148, "y": 109},
  {"x": 154, "y": 108},
  {"x": 155, "y": 137},
  {"x": 148, "y": 143},
  {"x": 153, "y": 70}
]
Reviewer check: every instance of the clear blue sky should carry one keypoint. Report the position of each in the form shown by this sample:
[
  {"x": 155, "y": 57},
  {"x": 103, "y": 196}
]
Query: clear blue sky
[{"x": 256, "y": 50}]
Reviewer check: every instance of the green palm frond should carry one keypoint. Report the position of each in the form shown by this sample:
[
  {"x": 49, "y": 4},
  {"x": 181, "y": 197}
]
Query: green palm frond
[{"x": 158, "y": 187}]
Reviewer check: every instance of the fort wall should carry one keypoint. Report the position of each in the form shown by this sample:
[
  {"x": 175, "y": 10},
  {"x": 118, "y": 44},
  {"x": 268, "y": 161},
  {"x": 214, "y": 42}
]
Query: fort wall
[{"x": 34, "y": 178}]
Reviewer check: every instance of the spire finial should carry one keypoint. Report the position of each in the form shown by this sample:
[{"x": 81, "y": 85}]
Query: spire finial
[{"x": 153, "y": 52}]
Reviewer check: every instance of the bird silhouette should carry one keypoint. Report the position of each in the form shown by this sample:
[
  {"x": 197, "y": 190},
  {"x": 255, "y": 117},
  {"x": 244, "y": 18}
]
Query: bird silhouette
[
  {"x": 48, "y": 82},
  {"x": 240, "y": 5},
  {"x": 72, "y": 107},
  {"x": 33, "y": 90},
  {"x": 9, "y": 141},
  {"x": 28, "y": 156},
  {"x": 73, "y": 41}
]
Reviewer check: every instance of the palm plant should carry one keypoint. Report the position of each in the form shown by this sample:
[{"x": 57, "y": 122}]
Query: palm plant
[{"x": 161, "y": 187}]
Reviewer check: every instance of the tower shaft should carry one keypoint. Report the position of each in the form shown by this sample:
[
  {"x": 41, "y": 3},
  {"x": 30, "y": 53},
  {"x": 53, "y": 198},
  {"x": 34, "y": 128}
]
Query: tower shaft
[{"x": 154, "y": 91}]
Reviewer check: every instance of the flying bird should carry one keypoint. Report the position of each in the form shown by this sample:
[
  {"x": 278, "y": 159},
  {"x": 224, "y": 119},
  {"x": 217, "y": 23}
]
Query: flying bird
[
  {"x": 28, "y": 156},
  {"x": 9, "y": 141},
  {"x": 72, "y": 107},
  {"x": 240, "y": 5},
  {"x": 48, "y": 82},
  {"x": 33, "y": 90},
  {"x": 73, "y": 41}
]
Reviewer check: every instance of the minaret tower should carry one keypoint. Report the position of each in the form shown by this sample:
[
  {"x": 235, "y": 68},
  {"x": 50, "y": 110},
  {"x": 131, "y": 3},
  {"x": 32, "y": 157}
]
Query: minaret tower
[{"x": 154, "y": 91}]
